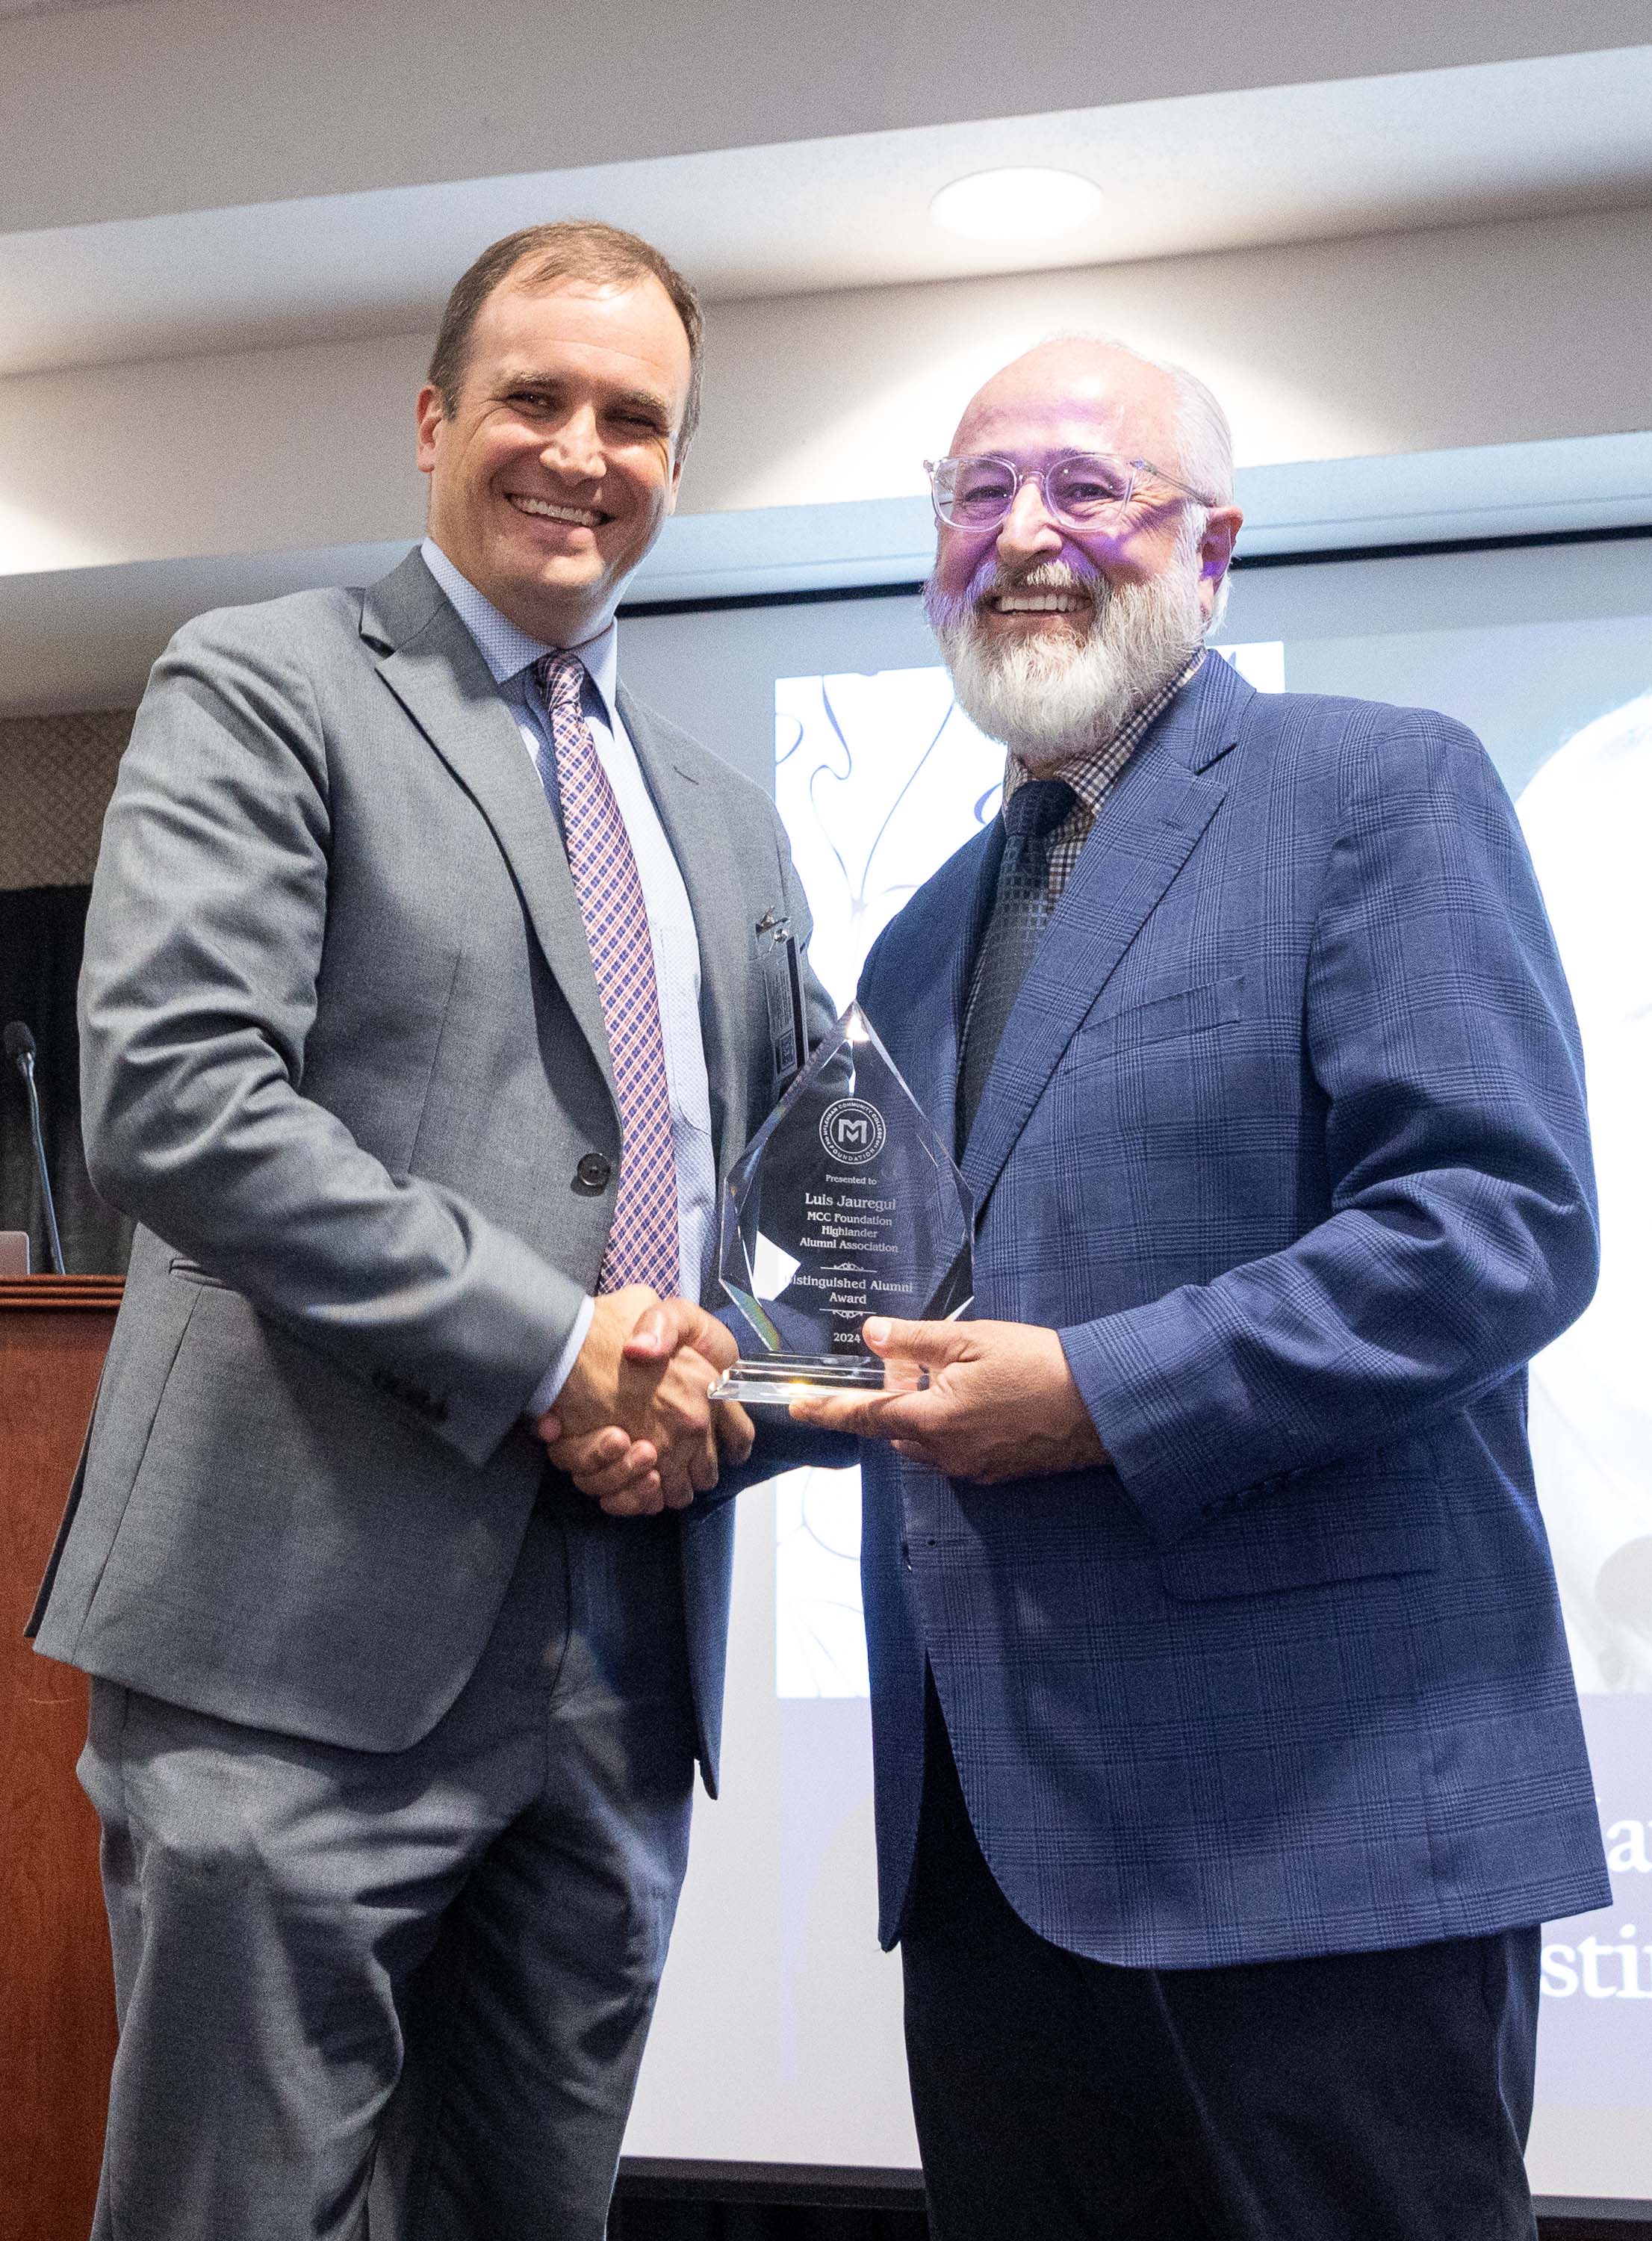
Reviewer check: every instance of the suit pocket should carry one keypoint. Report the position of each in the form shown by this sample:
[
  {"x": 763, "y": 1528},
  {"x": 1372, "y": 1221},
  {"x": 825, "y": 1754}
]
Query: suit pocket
[
  {"x": 1157, "y": 1019},
  {"x": 191, "y": 1272},
  {"x": 1365, "y": 1518}
]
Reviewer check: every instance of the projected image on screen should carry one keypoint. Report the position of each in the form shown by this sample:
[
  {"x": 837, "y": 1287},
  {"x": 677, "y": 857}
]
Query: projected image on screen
[
  {"x": 1586, "y": 816},
  {"x": 779, "y": 2035},
  {"x": 880, "y": 777}
]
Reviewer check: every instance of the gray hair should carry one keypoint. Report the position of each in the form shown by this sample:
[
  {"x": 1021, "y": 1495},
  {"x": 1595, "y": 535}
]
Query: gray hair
[{"x": 1204, "y": 439}]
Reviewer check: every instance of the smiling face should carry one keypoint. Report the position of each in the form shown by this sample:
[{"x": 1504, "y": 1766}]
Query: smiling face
[
  {"x": 558, "y": 465},
  {"x": 1054, "y": 634},
  {"x": 1061, "y": 397}
]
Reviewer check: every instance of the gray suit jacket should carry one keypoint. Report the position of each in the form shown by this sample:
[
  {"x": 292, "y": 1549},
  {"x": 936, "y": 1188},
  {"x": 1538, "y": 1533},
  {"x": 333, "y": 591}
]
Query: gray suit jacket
[{"x": 344, "y": 1061}]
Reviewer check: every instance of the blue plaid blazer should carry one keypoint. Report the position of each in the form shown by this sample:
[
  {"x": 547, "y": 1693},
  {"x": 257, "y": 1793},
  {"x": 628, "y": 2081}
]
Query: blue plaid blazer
[{"x": 1286, "y": 1136}]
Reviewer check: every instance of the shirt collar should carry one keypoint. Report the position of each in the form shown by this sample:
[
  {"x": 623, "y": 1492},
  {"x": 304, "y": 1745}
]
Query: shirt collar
[
  {"x": 508, "y": 651},
  {"x": 1091, "y": 775}
]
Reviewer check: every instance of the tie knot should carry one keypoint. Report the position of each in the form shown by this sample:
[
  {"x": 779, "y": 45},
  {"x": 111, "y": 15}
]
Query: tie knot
[
  {"x": 562, "y": 680},
  {"x": 1037, "y": 807}
]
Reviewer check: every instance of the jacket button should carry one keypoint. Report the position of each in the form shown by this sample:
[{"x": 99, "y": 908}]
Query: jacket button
[{"x": 592, "y": 1175}]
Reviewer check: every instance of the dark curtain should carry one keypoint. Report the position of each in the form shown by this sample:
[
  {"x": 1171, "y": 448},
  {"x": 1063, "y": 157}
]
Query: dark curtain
[
  {"x": 42, "y": 934},
  {"x": 658, "y": 2219},
  {"x": 631, "y": 2220}
]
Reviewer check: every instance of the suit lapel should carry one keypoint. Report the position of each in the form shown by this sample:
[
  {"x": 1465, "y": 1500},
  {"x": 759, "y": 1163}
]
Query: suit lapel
[
  {"x": 1144, "y": 833},
  {"x": 431, "y": 664},
  {"x": 695, "y": 819}
]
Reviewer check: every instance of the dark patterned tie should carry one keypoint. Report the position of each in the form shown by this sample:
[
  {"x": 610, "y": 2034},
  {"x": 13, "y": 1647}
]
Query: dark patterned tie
[
  {"x": 1020, "y": 913},
  {"x": 642, "y": 1244}
]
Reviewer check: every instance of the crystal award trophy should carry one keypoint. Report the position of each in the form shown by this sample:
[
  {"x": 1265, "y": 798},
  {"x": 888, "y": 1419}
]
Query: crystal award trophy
[{"x": 846, "y": 1204}]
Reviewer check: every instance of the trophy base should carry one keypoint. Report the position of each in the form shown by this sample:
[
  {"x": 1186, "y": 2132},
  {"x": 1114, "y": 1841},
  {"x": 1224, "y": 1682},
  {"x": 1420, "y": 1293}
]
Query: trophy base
[{"x": 787, "y": 1377}]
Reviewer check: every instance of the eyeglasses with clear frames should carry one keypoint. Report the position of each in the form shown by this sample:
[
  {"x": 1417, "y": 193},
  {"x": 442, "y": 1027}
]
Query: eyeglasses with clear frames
[{"x": 1080, "y": 490}]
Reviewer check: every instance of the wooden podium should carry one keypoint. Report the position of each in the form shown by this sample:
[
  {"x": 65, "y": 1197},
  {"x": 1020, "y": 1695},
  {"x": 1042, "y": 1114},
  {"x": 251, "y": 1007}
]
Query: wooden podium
[{"x": 57, "y": 1992}]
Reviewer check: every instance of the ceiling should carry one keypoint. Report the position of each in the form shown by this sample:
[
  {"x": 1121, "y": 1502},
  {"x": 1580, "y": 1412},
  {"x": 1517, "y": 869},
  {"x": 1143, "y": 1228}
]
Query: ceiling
[
  {"x": 1197, "y": 172},
  {"x": 51, "y": 7}
]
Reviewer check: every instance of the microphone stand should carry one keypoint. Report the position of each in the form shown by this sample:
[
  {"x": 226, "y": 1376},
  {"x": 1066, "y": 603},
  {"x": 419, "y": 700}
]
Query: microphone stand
[{"x": 21, "y": 1048}]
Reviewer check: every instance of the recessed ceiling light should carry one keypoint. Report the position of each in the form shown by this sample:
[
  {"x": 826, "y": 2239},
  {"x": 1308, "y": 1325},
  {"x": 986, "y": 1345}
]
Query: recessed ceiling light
[{"x": 1015, "y": 205}]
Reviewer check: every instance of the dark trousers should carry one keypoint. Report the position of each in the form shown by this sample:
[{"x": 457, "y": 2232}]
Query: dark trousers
[
  {"x": 403, "y": 1993},
  {"x": 1369, "y": 2096}
]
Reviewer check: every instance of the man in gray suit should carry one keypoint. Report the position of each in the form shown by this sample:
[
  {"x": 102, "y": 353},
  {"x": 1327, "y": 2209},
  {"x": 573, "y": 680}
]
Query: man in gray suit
[{"x": 429, "y": 989}]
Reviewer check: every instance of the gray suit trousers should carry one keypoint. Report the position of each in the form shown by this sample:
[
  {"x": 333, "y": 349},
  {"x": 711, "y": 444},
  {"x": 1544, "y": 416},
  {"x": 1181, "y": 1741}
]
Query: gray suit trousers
[{"x": 406, "y": 1994}]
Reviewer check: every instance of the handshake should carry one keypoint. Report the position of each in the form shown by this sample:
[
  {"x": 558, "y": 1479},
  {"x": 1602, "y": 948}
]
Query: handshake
[
  {"x": 632, "y": 1424},
  {"x": 633, "y": 1428}
]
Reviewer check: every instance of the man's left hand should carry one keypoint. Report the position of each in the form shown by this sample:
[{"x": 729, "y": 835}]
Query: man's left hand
[{"x": 1000, "y": 1402}]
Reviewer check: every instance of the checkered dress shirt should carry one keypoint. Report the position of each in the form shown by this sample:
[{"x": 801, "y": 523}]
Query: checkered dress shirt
[{"x": 1093, "y": 777}]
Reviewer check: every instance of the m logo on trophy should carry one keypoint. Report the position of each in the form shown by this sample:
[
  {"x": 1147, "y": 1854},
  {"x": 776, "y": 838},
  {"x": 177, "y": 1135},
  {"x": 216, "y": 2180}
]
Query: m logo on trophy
[
  {"x": 852, "y": 1131},
  {"x": 846, "y": 1204}
]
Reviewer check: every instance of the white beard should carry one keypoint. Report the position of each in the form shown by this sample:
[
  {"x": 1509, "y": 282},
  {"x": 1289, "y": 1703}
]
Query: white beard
[{"x": 1052, "y": 697}]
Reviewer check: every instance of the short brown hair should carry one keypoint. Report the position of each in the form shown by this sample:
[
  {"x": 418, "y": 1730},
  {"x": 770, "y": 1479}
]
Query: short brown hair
[{"x": 569, "y": 249}]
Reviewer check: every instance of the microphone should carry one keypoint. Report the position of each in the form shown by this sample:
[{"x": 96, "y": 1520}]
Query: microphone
[{"x": 20, "y": 1049}]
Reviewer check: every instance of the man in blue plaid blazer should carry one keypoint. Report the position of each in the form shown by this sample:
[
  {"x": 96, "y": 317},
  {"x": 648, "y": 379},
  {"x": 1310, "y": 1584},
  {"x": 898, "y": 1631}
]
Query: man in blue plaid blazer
[{"x": 1228, "y": 1753}]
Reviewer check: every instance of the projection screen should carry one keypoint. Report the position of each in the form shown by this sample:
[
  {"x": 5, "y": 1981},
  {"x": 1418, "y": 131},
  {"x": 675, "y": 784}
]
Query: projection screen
[{"x": 777, "y": 2037}]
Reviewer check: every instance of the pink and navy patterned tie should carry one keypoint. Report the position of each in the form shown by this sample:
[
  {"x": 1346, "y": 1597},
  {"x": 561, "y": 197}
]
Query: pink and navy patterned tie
[{"x": 642, "y": 1244}]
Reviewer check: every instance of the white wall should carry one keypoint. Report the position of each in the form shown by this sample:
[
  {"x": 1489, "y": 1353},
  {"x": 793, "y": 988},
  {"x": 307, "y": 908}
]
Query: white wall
[
  {"x": 1416, "y": 342},
  {"x": 252, "y": 450}
]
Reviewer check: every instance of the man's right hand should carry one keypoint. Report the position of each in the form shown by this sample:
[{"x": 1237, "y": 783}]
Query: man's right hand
[{"x": 642, "y": 1374}]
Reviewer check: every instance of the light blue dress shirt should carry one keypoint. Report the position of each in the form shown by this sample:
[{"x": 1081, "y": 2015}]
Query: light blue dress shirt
[{"x": 510, "y": 654}]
